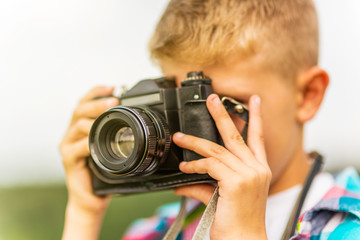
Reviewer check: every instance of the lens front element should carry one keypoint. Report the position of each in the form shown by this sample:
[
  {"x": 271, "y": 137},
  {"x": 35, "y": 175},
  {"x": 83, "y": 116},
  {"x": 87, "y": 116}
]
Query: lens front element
[
  {"x": 123, "y": 142},
  {"x": 127, "y": 141}
]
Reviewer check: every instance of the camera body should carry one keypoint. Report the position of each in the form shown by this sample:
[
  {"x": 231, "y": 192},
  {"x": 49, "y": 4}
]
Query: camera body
[{"x": 130, "y": 144}]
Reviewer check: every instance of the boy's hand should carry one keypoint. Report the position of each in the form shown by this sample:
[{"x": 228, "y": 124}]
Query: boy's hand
[
  {"x": 84, "y": 209},
  {"x": 241, "y": 170}
]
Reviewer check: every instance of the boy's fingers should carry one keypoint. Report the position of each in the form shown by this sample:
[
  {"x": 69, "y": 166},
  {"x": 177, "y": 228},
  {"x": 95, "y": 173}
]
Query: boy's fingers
[
  {"x": 81, "y": 148},
  {"x": 93, "y": 109},
  {"x": 212, "y": 166},
  {"x": 233, "y": 140},
  {"x": 223, "y": 121},
  {"x": 201, "y": 192},
  {"x": 207, "y": 149},
  {"x": 97, "y": 92},
  {"x": 255, "y": 132},
  {"x": 75, "y": 152},
  {"x": 79, "y": 129}
]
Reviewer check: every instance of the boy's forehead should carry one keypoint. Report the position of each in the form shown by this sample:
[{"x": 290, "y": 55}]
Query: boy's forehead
[
  {"x": 247, "y": 72},
  {"x": 239, "y": 79},
  {"x": 234, "y": 65}
]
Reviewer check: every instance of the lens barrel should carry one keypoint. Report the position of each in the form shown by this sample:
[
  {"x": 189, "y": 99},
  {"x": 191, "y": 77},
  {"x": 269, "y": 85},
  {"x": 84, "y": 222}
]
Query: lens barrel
[{"x": 129, "y": 141}]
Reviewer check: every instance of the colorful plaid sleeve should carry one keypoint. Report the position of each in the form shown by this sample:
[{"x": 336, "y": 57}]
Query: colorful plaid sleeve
[
  {"x": 155, "y": 228},
  {"x": 337, "y": 215}
]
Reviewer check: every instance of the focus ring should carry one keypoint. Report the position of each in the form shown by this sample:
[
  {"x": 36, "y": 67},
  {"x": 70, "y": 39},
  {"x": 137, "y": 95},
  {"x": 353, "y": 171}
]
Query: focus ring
[
  {"x": 163, "y": 140},
  {"x": 150, "y": 133}
]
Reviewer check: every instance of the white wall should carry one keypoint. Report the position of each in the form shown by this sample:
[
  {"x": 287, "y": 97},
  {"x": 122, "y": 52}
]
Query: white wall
[
  {"x": 335, "y": 131},
  {"x": 52, "y": 52}
]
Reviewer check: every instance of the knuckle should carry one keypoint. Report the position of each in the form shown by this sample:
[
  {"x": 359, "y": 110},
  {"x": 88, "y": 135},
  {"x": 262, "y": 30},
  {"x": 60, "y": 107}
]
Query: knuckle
[
  {"x": 83, "y": 146},
  {"x": 77, "y": 124},
  {"x": 268, "y": 174},
  {"x": 263, "y": 174},
  {"x": 223, "y": 115},
  {"x": 77, "y": 112},
  {"x": 212, "y": 165},
  {"x": 82, "y": 124},
  {"x": 255, "y": 174},
  {"x": 235, "y": 141},
  {"x": 258, "y": 134},
  {"x": 62, "y": 147},
  {"x": 66, "y": 159},
  {"x": 261, "y": 137},
  {"x": 197, "y": 165},
  {"x": 237, "y": 182},
  {"x": 236, "y": 137},
  {"x": 100, "y": 106},
  {"x": 217, "y": 149},
  {"x": 211, "y": 161},
  {"x": 66, "y": 162}
]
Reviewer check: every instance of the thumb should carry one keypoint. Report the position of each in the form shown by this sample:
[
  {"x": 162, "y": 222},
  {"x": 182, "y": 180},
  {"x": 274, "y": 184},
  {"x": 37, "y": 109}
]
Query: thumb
[{"x": 201, "y": 192}]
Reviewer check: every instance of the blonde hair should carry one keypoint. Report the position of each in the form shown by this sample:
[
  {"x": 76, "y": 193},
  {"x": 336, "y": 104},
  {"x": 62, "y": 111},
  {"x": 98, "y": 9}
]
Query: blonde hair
[{"x": 283, "y": 32}]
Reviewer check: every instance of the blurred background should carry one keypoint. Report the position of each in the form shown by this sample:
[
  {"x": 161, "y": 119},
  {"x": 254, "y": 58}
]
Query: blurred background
[{"x": 52, "y": 52}]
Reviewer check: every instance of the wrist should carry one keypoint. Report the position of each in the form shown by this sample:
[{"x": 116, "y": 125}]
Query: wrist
[
  {"x": 74, "y": 209},
  {"x": 92, "y": 206},
  {"x": 80, "y": 223}
]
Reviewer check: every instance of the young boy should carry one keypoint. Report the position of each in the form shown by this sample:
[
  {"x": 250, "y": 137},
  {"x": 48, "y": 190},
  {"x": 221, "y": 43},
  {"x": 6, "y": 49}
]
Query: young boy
[{"x": 264, "y": 54}]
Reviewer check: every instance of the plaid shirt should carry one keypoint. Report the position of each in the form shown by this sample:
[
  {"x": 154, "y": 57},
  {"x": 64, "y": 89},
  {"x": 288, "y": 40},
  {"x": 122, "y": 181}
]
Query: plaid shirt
[
  {"x": 335, "y": 217},
  {"x": 155, "y": 228}
]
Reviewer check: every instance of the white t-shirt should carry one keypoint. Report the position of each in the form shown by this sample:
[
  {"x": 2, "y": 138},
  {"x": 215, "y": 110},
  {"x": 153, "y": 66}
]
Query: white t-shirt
[{"x": 279, "y": 206}]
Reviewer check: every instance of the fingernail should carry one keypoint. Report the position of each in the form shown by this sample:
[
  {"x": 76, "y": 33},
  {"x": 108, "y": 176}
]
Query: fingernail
[
  {"x": 111, "y": 102},
  {"x": 178, "y": 135},
  {"x": 257, "y": 99},
  {"x": 215, "y": 99}
]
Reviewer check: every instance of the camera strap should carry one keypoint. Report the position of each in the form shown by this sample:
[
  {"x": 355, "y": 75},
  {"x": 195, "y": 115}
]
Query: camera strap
[
  {"x": 207, "y": 218},
  {"x": 294, "y": 216},
  {"x": 204, "y": 225}
]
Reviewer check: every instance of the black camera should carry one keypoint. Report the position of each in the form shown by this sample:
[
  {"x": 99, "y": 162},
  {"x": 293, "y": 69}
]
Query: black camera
[{"x": 130, "y": 145}]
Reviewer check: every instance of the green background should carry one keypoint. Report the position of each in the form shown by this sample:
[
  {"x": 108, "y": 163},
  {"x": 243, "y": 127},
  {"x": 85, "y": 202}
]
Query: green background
[{"x": 37, "y": 212}]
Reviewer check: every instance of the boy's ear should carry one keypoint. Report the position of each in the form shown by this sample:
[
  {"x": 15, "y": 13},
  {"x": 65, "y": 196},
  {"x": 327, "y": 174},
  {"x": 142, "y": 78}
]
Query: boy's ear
[{"x": 311, "y": 87}]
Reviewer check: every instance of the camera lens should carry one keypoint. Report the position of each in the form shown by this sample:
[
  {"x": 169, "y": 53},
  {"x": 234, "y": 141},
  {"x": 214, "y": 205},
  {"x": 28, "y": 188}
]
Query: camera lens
[
  {"x": 129, "y": 141},
  {"x": 123, "y": 142}
]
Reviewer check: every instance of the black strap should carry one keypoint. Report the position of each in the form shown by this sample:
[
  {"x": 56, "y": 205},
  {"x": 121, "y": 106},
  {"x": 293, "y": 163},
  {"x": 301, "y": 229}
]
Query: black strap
[{"x": 291, "y": 225}]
